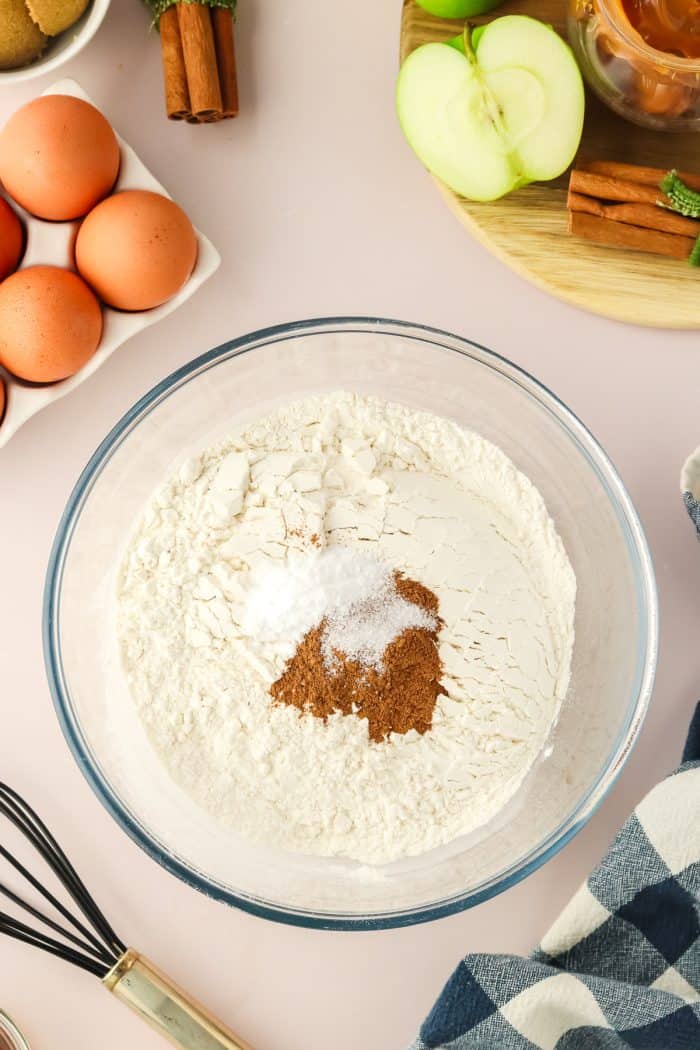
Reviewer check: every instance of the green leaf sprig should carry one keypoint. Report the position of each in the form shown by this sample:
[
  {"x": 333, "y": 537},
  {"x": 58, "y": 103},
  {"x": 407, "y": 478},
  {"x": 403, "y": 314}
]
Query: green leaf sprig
[
  {"x": 686, "y": 202},
  {"x": 682, "y": 198},
  {"x": 157, "y": 7}
]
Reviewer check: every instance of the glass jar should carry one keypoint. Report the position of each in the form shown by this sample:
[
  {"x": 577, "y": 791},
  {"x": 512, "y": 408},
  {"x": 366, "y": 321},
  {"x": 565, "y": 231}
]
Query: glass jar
[
  {"x": 10, "y": 1036},
  {"x": 653, "y": 88}
]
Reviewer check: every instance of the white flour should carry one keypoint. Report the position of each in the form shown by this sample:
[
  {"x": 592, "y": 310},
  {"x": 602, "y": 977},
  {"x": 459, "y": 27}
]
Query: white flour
[{"x": 439, "y": 503}]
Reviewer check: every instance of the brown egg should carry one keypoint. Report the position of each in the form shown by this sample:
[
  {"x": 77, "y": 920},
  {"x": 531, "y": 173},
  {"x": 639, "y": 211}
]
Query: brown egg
[
  {"x": 11, "y": 240},
  {"x": 136, "y": 249},
  {"x": 58, "y": 157},
  {"x": 50, "y": 324}
]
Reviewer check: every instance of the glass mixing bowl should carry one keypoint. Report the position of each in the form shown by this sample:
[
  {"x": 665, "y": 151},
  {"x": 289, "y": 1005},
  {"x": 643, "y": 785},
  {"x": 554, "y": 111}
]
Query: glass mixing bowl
[{"x": 616, "y": 620}]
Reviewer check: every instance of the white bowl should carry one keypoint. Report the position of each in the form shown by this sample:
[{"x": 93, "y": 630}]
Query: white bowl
[
  {"x": 52, "y": 243},
  {"x": 63, "y": 47}
]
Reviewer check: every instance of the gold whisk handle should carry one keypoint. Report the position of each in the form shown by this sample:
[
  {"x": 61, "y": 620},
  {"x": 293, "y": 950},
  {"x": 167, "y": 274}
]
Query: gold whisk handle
[{"x": 166, "y": 1008}]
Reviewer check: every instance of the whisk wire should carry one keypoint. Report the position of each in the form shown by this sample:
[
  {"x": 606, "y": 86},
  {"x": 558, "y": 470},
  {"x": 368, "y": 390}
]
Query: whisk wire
[
  {"x": 28, "y": 821},
  {"x": 27, "y": 875},
  {"x": 49, "y": 922},
  {"x": 68, "y": 874},
  {"x": 98, "y": 950},
  {"x": 20, "y": 932}
]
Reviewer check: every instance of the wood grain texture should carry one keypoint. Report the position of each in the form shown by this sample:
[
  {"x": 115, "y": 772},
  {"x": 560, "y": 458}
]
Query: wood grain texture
[{"x": 528, "y": 229}]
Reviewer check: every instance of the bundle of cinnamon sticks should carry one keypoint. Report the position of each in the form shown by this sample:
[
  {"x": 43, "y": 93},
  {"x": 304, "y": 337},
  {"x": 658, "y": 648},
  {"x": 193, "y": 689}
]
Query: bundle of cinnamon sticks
[
  {"x": 199, "y": 62},
  {"x": 623, "y": 206}
]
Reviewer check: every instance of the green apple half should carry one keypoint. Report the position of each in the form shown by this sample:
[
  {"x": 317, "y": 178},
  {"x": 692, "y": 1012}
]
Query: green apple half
[{"x": 490, "y": 120}]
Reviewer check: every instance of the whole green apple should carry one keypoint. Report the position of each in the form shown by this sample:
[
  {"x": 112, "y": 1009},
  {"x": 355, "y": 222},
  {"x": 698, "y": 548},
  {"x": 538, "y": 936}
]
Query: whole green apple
[{"x": 458, "y": 8}]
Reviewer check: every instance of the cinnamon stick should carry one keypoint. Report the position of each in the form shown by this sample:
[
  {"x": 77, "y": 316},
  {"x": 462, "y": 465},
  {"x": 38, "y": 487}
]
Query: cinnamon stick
[
  {"x": 223, "y": 26},
  {"x": 620, "y": 235},
  {"x": 647, "y": 215},
  {"x": 609, "y": 188},
  {"x": 579, "y": 202},
  {"x": 636, "y": 173},
  {"x": 177, "y": 96},
  {"x": 200, "y": 60}
]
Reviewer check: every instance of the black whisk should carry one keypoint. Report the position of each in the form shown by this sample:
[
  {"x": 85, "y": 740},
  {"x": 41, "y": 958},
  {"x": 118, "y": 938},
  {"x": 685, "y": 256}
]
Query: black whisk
[
  {"x": 88, "y": 941},
  {"x": 96, "y": 952}
]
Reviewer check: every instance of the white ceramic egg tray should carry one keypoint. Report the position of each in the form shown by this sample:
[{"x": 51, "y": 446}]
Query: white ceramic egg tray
[{"x": 52, "y": 243}]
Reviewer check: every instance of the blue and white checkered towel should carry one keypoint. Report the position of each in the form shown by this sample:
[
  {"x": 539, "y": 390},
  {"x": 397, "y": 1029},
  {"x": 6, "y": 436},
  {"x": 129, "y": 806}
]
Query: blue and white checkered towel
[
  {"x": 690, "y": 486},
  {"x": 620, "y": 968}
]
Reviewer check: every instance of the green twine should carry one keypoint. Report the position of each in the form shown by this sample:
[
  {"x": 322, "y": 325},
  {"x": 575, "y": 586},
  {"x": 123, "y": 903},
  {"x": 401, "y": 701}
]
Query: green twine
[{"x": 158, "y": 7}]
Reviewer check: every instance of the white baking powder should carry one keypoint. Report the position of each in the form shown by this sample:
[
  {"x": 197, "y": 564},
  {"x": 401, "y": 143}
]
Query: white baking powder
[
  {"x": 352, "y": 590},
  {"x": 206, "y": 625}
]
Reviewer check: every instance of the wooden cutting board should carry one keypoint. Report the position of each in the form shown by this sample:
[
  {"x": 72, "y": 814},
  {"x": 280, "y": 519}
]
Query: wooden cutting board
[{"x": 528, "y": 229}]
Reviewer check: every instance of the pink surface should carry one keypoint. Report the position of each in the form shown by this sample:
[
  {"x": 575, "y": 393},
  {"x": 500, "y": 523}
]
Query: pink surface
[{"x": 318, "y": 208}]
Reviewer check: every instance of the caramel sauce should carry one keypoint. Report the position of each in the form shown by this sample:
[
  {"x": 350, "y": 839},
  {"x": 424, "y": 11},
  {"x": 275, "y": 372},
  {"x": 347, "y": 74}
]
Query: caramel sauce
[{"x": 672, "y": 26}]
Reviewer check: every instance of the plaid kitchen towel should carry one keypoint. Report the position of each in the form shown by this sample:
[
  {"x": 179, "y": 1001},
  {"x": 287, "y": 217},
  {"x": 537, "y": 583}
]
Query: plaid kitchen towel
[
  {"x": 690, "y": 486},
  {"x": 620, "y": 968}
]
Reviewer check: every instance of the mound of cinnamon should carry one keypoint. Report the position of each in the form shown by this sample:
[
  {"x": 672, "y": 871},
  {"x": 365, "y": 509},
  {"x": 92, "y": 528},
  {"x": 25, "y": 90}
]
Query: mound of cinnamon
[
  {"x": 624, "y": 206},
  {"x": 199, "y": 61},
  {"x": 396, "y": 697}
]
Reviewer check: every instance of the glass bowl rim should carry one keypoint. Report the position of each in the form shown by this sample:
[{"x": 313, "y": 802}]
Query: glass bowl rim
[{"x": 644, "y": 580}]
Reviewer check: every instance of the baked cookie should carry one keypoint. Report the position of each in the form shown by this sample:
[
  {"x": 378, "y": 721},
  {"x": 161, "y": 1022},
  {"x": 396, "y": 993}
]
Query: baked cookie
[
  {"x": 53, "y": 16},
  {"x": 21, "y": 40}
]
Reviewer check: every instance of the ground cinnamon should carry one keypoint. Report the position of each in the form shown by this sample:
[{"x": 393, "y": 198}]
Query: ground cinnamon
[{"x": 395, "y": 698}]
